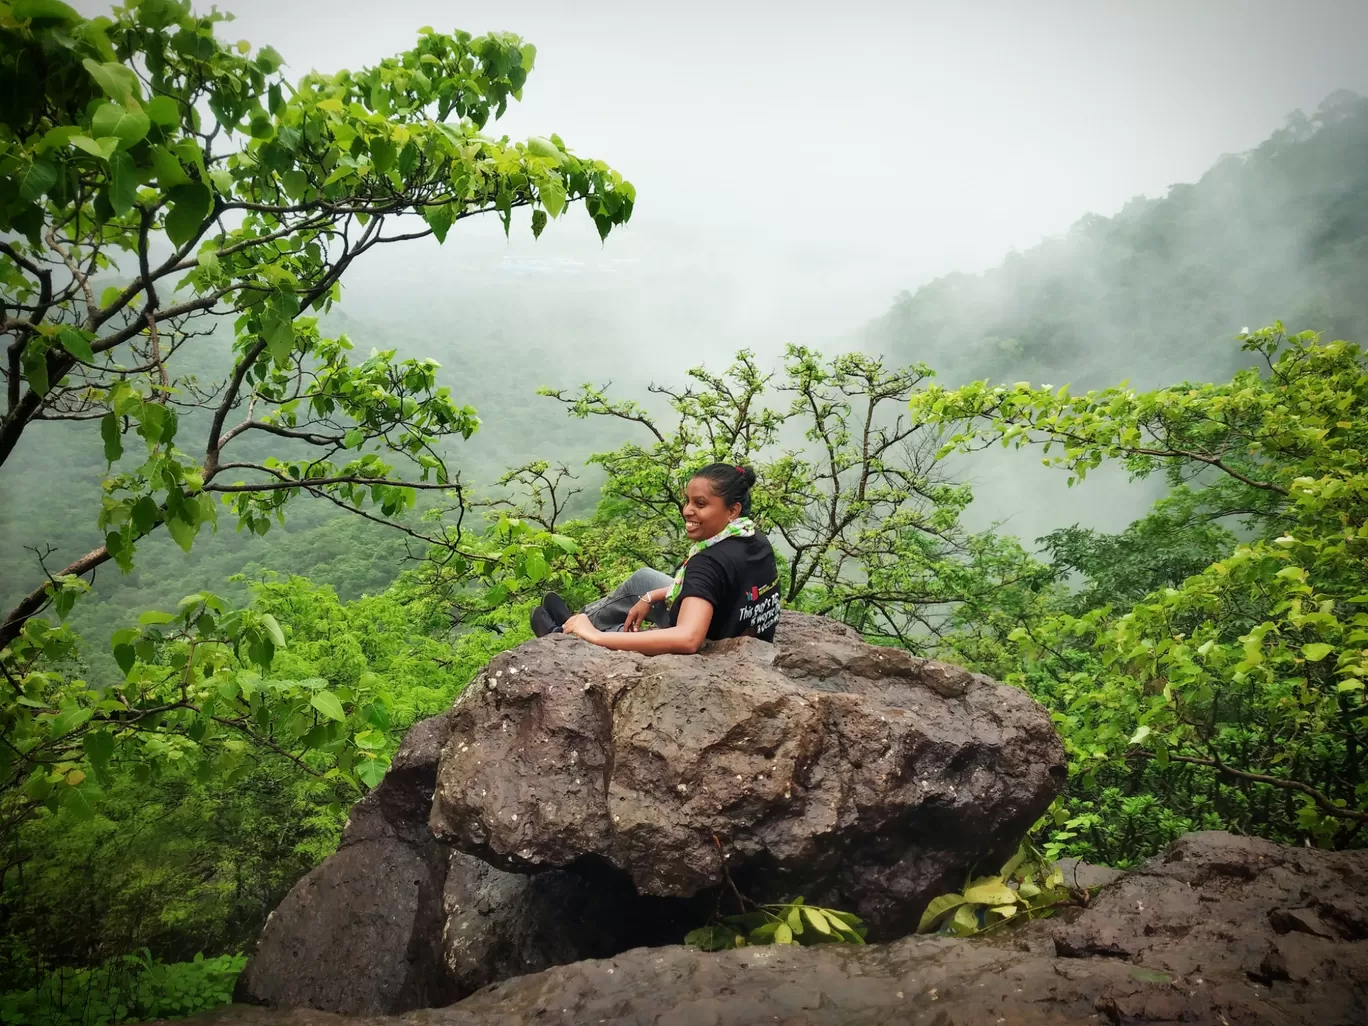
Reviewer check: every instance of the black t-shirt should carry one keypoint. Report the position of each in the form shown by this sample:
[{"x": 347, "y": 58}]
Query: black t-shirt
[{"x": 737, "y": 576}]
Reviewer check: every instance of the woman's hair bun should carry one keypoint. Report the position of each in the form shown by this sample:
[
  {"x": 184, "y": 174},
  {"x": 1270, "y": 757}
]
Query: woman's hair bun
[{"x": 731, "y": 481}]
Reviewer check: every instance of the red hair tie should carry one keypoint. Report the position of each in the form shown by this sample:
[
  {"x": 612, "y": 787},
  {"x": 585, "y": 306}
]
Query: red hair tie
[{"x": 740, "y": 470}]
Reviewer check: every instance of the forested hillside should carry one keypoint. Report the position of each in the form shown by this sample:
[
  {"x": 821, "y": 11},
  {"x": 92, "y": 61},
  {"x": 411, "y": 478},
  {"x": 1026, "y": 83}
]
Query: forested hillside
[
  {"x": 1157, "y": 292},
  {"x": 252, "y": 535}
]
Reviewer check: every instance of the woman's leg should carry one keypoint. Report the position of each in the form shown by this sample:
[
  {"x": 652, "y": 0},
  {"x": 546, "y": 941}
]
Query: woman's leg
[{"x": 610, "y": 613}]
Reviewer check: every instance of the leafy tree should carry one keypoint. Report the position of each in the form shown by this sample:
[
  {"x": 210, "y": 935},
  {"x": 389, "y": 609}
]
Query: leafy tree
[
  {"x": 867, "y": 528},
  {"x": 1243, "y": 683},
  {"x": 1180, "y": 537},
  {"x": 159, "y": 182},
  {"x": 194, "y": 857}
]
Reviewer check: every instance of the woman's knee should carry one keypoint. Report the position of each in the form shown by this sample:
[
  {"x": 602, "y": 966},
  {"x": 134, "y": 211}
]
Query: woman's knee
[{"x": 645, "y": 579}]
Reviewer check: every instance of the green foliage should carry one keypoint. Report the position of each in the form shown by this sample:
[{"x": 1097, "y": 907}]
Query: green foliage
[
  {"x": 127, "y": 138},
  {"x": 133, "y": 988},
  {"x": 869, "y": 528},
  {"x": 1242, "y": 684},
  {"x": 790, "y": 922},
  {"x": 193, "y": 852},
  {"x": 1181, "y": 536},
  {"x": 1028, "y": 887}
]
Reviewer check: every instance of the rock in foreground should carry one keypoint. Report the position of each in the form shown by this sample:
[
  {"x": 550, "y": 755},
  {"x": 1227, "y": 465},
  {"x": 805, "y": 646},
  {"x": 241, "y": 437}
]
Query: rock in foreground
[
  {"x": 396, "y": 920},
  {"x": 862, "y": 777},
  {"x": 1219, "y": 929}
]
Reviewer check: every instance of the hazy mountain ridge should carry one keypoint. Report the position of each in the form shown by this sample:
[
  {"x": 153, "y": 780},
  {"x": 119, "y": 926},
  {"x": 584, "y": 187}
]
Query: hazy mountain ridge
[{"x": 1156, "y": 292}]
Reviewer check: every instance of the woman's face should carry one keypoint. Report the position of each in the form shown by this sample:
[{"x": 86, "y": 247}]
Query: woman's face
[{"x": 705, "y": 512}]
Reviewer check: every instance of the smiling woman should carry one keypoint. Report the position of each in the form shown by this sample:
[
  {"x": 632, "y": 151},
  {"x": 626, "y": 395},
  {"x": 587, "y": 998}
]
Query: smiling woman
[{"x": 727, "y": 586}]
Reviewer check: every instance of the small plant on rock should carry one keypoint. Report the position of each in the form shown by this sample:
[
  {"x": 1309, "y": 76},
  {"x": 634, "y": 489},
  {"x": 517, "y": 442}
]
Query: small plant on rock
[
  {"x": 791, "y": 922},
  {"x": 1028, "y": 887}
]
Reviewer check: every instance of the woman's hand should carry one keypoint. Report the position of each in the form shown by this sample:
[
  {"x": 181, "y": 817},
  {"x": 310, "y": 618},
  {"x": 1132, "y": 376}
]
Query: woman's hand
[
  {"x": 581, "y": 627},
  {"x": 639, "y": 611}
]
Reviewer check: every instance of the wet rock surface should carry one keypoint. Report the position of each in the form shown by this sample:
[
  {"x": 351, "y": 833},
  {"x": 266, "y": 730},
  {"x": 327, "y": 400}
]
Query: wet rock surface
[
  {"x": 862, "y": 777},
  {"x": 396, "y": 920},
  {"x": 1218, "y": 929},
  {"x": 361, "y": 932}
]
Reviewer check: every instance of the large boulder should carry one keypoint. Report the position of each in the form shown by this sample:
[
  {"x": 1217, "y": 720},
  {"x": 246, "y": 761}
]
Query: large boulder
[
  {"x": 396, "y": 920},
  {"x": 860, "y": 776},
  {"x": 1218, "y": 929},
  {"x": 361, "y": 932}
]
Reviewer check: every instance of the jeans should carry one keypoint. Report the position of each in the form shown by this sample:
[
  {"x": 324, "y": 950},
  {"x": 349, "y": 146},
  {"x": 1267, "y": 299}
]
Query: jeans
[{"x": 610, "y": 613}]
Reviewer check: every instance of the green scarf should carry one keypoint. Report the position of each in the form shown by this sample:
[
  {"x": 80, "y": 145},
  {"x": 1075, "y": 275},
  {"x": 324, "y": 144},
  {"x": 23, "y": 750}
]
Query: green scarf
[{"x": 741, "y": 527}]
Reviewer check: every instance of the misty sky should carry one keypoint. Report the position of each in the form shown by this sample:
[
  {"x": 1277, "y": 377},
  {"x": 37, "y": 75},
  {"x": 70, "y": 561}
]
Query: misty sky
[{"x": 830, "y": 154}]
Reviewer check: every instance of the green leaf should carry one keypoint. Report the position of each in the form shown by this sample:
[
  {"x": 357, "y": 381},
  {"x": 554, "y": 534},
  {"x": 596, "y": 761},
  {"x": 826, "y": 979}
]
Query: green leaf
[
  {"x": 43, "y": 10},
  {"x": 371, "y": 772},
  {"x": 1140, "y": 734},
  {"x": 965, "y": 921},
  {"x": 794, "y": 920},
  {"x": 764, "y": 933},
  {"x": 552, "y": 196},
  {"x": 439, "y": 219},
  {"x": 273, "y": 631},
  {"x": 168, "y": 167},
  {"x": 183, "y": 533},
  {"x": 70, "y": 718},
  {"x": 936, "y": 911},
  {"x": 538, "y": 223},
  {"x": 269, "y": 60},
  {"x": 989, "y": 891},
  {"x": 101, "y": 148},
  {"x": 783, "y": 935},
  {"x": 123, "y": 182},
  {"x": 328, "y": 704},
  {"x": 34, "y": 362},
  {"x": 546, "y": 149},
  {"x": 816, "y": 919},
  {"x": 536, "y": 568},
  {"x": 99, "y": 747},
  {"x": 115, "y": 121},
  {"x": 75, "y": 803},
  {"x": 116, "y": 80},
  {"x": 190, "y": 206},
  {"x": 1317, "y": 651},
  {"x": 163, "y": 110},
  {"x": 155, "y": 616},
  {"x": 112, "y": 436},
  {"x": 37, "y": 178},
  {"x": 75, "y": 342},
  {"x": 145, "y": 514}
]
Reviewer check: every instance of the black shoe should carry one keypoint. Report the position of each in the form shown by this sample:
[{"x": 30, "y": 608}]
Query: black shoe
[
  {"x": 556, "y": 607},
  {"x": 542, "y": 624}
]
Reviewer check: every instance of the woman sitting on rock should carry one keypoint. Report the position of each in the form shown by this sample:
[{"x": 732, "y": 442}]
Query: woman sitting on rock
[{"x": 727, "y": 587}]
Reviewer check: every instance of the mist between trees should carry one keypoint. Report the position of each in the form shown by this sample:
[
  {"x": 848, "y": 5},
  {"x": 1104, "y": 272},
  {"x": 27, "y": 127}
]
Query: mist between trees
[{"x": 203, "y": 670}]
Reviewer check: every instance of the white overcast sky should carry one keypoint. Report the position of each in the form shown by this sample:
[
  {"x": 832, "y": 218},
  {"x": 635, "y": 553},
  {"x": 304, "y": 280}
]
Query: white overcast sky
[{"x": 805, "y": 161}]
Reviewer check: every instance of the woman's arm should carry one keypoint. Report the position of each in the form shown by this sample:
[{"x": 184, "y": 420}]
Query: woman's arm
[
  {"x": 641, "y": 608},
  {"x": 685, "y": 638}
]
